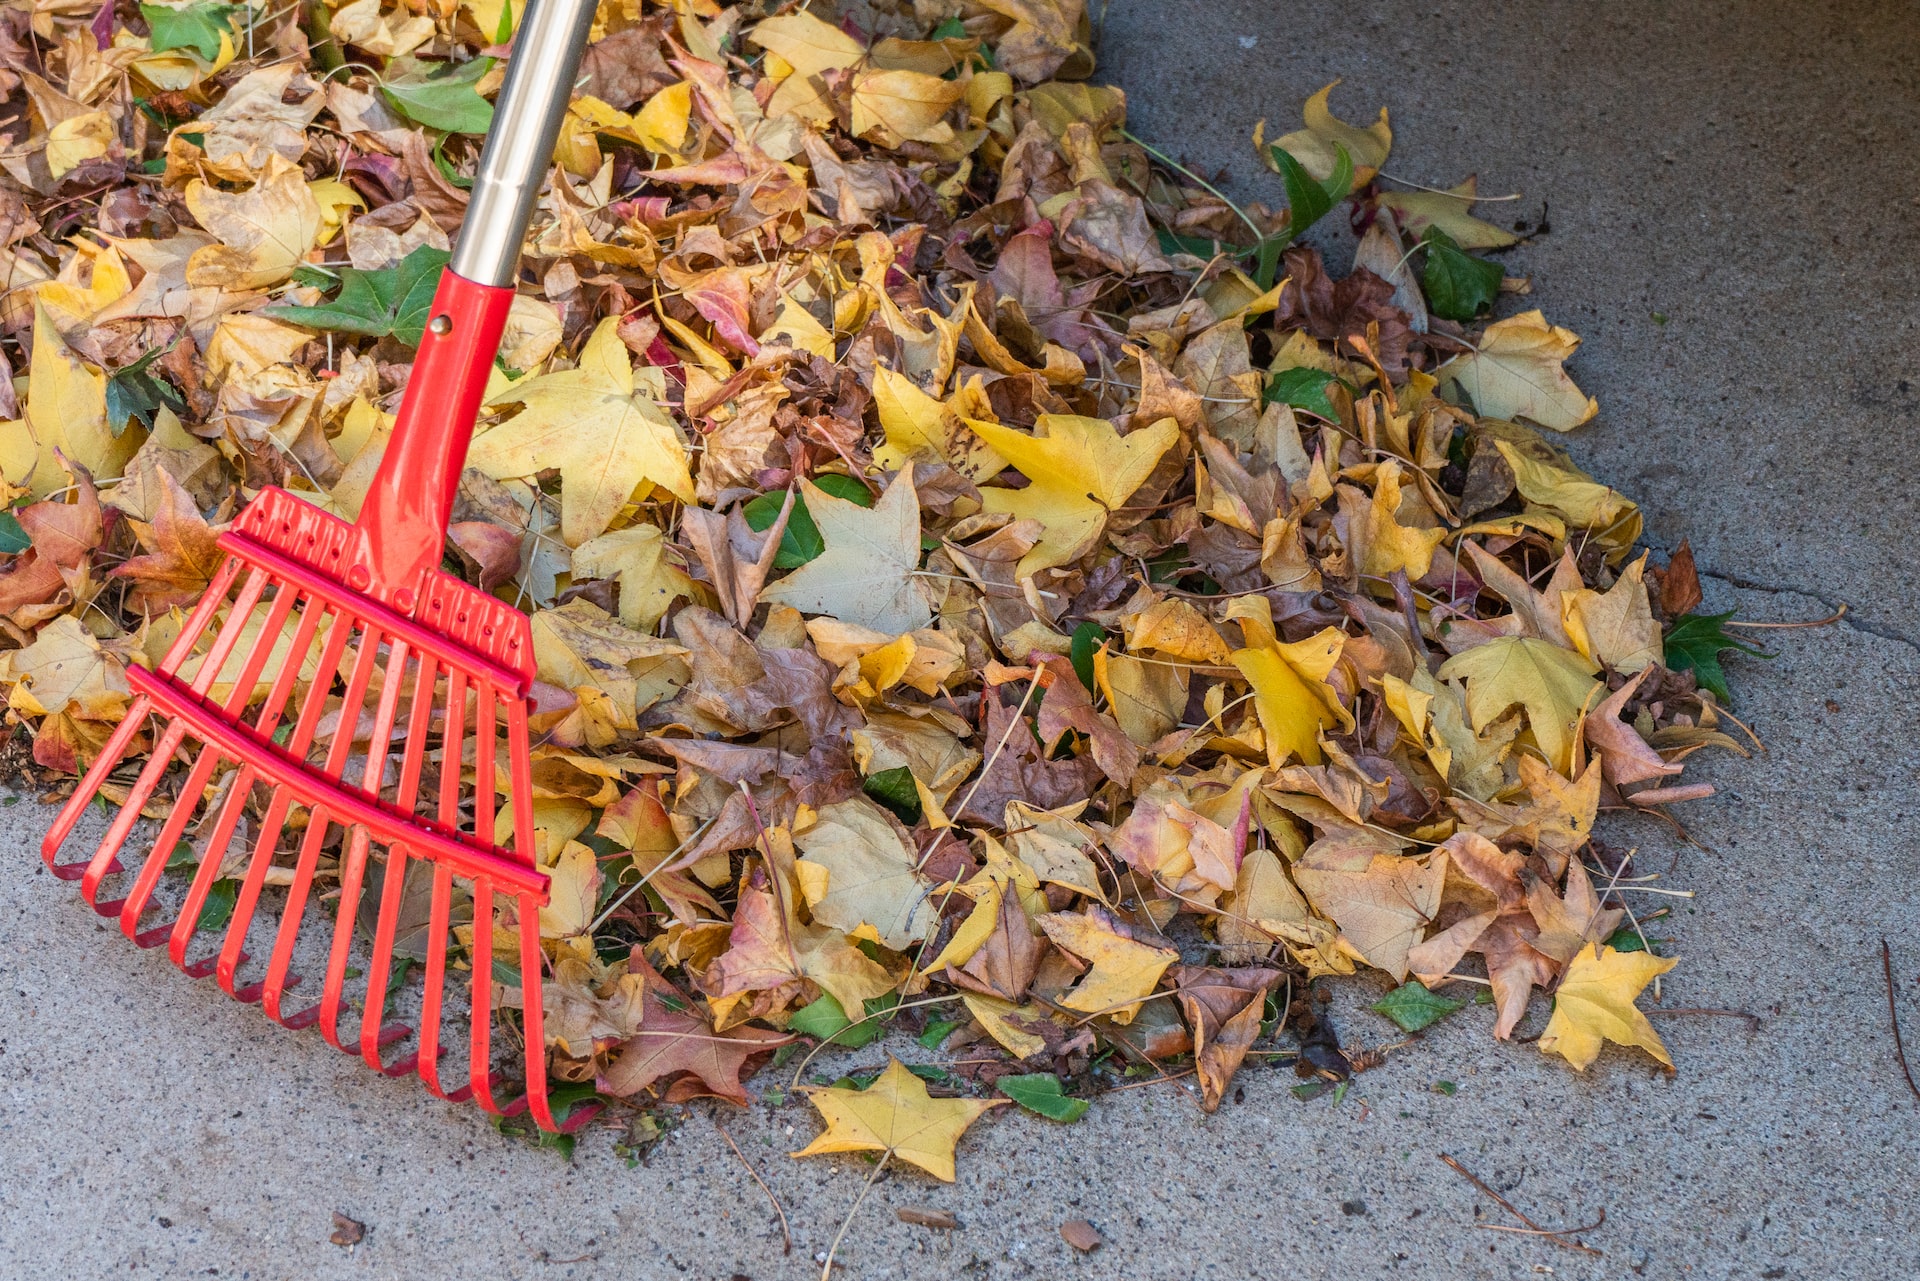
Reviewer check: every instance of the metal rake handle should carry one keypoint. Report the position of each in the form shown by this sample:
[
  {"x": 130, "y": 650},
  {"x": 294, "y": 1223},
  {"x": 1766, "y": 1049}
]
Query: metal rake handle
[{"x": 401, "y": 532}]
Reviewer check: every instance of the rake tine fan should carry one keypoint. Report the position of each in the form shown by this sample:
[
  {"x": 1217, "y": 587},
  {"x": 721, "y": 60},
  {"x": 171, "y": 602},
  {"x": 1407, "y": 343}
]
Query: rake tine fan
[{"x": 337, "y": 704}]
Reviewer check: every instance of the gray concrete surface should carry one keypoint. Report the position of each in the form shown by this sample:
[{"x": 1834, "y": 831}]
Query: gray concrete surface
[{"x": 1746, "y": 170}]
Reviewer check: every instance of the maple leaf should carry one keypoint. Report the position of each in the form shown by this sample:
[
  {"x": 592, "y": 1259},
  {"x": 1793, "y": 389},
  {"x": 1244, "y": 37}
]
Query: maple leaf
[
  {"x": 1290, "y": 690},
  {"x": 1081, "y": 469},
  {"x": 1594, "y": 1004},
  {"x": 895, "y": 1115},
  {"x": 918, "y": 426},
  {"x": 866, "y": 574},
  {"x": 183, "y": 552},
  {"x": 1317, "y": 146},
  {"x": 873, "y": 888},
  {"x": 602, "y": 427},
  {"x": 637, "y": 557},
  {"x": 1516, "y": 373},
  {"x": 1614, "y": 628},
  {"x": 673, "y": 1038},
  {"x": 1123, "y": 972},
  {"x": 1554, "y": 685},
  {"x": 264, "y": 232},
  {"x": 1382, "y": 902}
]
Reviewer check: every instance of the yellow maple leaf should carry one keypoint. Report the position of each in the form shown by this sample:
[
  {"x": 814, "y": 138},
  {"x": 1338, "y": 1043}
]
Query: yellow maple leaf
[
  {"x": 918, "y": 426},
  {"x": 1554, "y": 685},
  {"x": 1517, "y": 373},
  {"x": 637, "y": 557},
  {"x": 1448, "y": 210},
  {"x": 1315, "y": 146},
  {"x": 806, "y": 44},
  {"x": 895, "y": 1115},
  {"x": 78, "y": 139},
  {"x": 1081, "y": 469},
  {"x": 603, "y": 428},
  {"x": 890, "y": 107},
  {"x": 873, "y": 888},
  {"x": 264, "y": 232},
  {"x": 1379, "y": 542},
  {"x": 1290, "y": 690},
  {"x": 1382, "y": 902},
  {"x": 1594, "y": 1004},
  {"x": 66, "y": 411},
  {"x": 1616, "y": 626},
  {"x": 1124, "y": 972}
]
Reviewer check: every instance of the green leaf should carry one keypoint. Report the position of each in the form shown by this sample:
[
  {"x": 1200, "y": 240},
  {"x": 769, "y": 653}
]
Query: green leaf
[
  {"x": 1199, "y": 246},
  {"x": 132, "y": 393},
  {"x": 445, "y": 166},
  {"x": 1042, "y": 1092},
  {"x": 1458, "y": 285},
  {"x": 13, "y": 537},
  {"x": 1086, "y": 642},
  {"x": 827, "y": 1021},
  {"x": 801, "y": 542},
  {"x": 197, "y": 27},
  {"x": 1304, "y": 389},
  {"x": 443, "y": 98},
  {"x": 393, "y": 300},
  {"x": 938, "y": 1031},
  {"x": 894, "y": 789},
  {"x": 1694, "y": 644},
  {"x": 1413, "y": 1007},
  {"x": 218, "y": 909},
  {"x": 1447, "y": 1088}
]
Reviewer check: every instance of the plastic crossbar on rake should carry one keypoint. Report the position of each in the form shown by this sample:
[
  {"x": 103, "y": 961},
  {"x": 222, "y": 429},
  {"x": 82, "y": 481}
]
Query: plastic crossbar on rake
[{"x": 283, "y": 569}]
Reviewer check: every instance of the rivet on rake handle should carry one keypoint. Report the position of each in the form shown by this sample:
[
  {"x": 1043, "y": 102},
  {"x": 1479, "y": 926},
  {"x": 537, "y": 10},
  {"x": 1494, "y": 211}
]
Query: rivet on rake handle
[{"x": 304, "y": 800}]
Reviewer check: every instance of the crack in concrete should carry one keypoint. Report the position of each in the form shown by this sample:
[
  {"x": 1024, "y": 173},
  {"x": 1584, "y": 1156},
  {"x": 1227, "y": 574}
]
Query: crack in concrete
[{"x": 1848, "y": 619}]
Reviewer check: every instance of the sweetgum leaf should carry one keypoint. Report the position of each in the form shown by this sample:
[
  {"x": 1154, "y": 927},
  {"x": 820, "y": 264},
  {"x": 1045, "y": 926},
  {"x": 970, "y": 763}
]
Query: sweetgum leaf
[{"x": 1694, "y": 644}]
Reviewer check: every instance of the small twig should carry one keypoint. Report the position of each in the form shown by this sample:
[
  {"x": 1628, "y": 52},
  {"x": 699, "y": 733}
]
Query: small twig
[
  {"x": 826, "y": 1268},
  {"x": 1893, "y": 1016},
  {"x": 1557, "y": 1236},
  {"x": 1158, "y": 1080},
  {"x": 1539, "y": 1232},
  {"x": 1753, "y": 1020},
  {"x": 1834, "y": 617},
  {"x": 785, "y": 1231}
]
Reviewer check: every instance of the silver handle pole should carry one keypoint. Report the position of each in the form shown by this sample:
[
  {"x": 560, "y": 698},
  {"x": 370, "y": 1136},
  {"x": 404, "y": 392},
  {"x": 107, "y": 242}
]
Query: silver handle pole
[{"x": 526, "y": 121}]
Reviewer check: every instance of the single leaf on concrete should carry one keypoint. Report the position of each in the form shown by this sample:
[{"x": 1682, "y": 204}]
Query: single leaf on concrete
[
  {"x": 1458, "y": 285},
  {"x": 1412, "y": 1007},
  {"x": 1042, "y": 1092},
  {"x": 897, "y": 1116},
  {"x": 1594, "y": 1004}
]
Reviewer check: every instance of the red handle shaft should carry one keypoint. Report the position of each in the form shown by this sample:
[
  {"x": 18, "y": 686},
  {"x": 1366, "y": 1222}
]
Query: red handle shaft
[{"x": 402, "y": 528}]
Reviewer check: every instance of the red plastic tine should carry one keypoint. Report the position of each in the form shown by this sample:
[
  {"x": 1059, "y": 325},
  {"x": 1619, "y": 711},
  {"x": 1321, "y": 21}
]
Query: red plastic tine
[
  {"x": 96, "y": 775},
  {"x": 353, "y": 864},
  {"x": 274, "y": 986},
  {"x": 106, "y": 860},
  {"x": 480, "y": 1060},
  {"x": 531, "y": 1022},
  {"x": 268, "y": 838},
  {"x": 378, "y": 968},
  {"x": 234, "y": 807},
  {"x": 427, "y": 1056}
]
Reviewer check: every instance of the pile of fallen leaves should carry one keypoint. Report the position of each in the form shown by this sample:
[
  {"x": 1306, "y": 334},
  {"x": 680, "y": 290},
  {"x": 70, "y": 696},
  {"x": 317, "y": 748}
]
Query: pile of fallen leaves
[{"x": 985, "y": 583}]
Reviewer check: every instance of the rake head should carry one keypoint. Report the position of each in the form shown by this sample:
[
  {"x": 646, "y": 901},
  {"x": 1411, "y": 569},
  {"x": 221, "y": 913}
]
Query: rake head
[{"x": 348, "y": 801}]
